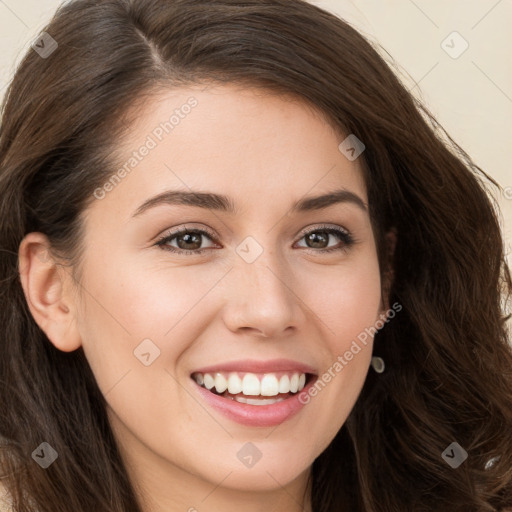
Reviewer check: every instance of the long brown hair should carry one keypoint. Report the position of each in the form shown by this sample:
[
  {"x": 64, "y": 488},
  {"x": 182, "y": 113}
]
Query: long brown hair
[{"x": 448, "y": 374}]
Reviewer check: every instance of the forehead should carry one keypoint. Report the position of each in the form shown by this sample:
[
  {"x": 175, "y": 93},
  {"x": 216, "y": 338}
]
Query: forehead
[{"x": 246, "y": 143}]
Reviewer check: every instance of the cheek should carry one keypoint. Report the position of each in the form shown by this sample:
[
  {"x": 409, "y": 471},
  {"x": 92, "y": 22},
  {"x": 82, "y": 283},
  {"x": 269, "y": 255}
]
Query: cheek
[
  {"x": 132, "y": 309},
  {"x": 136, "y": 324},
  {"x": 344, "y": 300},
  {"x": 346, "y": 306}
]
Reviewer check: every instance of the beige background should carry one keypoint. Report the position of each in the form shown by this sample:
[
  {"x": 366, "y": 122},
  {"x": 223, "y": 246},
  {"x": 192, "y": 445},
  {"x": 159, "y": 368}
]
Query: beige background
[{"x": 471, "y": 95}]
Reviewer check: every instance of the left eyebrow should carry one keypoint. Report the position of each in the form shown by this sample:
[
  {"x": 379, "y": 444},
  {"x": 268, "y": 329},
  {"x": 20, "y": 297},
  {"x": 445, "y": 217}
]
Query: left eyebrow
[
  {"x": 324, "y": 201},
  {"x": 219, "y": 202}
]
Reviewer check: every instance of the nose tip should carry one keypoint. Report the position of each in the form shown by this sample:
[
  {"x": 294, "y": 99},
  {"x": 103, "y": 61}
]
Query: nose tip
[{"x": 265, "y": 304}]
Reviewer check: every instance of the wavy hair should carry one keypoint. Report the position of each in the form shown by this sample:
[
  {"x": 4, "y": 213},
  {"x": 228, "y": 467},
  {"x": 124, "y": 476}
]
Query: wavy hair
[{"x": 448, "y": 359}]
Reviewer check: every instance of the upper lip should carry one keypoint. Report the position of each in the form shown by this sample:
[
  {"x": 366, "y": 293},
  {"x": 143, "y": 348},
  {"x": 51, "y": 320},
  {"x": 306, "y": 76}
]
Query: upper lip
[{"x": 255, "y": 366}]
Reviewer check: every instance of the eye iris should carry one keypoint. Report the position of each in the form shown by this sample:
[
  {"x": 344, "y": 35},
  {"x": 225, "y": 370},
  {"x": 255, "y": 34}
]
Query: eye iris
[
  {"x": 187, "y": 237},
  {"x": 315, "y": 238}
]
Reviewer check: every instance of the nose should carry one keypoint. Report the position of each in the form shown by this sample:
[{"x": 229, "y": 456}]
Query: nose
[{"x": 262, "y": 298}]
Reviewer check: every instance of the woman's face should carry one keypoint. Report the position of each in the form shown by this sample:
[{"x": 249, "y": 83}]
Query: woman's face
[{"x": 262, "y": 290}]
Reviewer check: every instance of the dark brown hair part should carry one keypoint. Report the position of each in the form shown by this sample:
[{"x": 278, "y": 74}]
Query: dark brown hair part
[{"x": 448, "y": 360}]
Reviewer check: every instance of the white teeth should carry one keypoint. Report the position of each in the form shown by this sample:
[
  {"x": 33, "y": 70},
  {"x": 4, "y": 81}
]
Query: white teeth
[
  {"x": 221, "y": 383},
  {"x": 269, "y": 385},
  {"x": 294, "y": 383},
  {"x": 209, "y": 382},
  {"x": 258, "y": 401},
  {"x": 234, "y": 384},
  {"x": 284, "y": 384},
  {"x": 251, "y": 385}
]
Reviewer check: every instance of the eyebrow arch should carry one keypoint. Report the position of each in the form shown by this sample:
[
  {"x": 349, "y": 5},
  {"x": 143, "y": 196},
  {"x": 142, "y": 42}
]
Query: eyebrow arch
[{"x": 224, "y": 203}]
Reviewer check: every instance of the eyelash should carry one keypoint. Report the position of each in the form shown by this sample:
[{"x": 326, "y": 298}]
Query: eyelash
[{"x": 347, "y": 239}]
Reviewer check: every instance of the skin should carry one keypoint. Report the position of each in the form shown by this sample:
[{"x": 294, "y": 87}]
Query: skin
[{"x": 265, "y": 152}]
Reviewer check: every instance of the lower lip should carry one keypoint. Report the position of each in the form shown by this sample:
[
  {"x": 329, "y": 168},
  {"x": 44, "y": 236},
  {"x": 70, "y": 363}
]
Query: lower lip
[{"x": 255, "y": 415}]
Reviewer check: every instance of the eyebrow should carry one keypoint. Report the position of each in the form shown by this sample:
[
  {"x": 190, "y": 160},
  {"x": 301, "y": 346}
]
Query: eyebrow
[{"x": 222, "y": 203}]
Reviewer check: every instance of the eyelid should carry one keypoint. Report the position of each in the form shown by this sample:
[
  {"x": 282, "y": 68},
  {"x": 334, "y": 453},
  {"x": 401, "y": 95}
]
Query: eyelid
[
  {"x": 319, "y": 227},
  {"x": 187, "y": 227}
]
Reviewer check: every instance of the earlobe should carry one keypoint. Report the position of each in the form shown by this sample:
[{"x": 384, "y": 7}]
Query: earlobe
[{"x": 45, "y": 284}]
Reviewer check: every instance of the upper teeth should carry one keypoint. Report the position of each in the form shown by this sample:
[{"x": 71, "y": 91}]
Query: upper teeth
[{"x": 252, "y": 384}]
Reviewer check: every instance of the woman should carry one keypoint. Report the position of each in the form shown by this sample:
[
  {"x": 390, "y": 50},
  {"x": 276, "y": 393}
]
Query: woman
[{"x": 242, "y": 270}]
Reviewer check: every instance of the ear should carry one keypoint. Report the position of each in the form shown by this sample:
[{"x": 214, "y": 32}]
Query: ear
[
  {"x": 46, "y": 285},
  {"x": 390, "y": 240}
]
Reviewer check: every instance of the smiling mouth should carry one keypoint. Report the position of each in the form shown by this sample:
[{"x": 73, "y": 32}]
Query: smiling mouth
[{"x": 252, "y": 389}]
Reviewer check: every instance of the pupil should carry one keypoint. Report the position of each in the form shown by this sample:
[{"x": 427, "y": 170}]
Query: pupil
[
  {"x": 187, "y": 238},
  {"x": 314, "y": 237}
]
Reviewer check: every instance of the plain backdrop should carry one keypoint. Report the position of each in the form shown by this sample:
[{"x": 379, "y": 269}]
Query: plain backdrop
[{"x": 453, "y": 54}]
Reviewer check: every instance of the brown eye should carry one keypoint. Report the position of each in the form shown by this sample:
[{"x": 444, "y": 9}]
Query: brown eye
[
  {"x": 188, "y": 241},
  {"x": 319, "y": 239}
]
